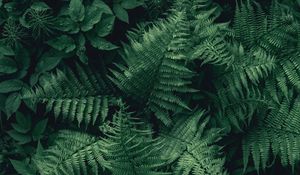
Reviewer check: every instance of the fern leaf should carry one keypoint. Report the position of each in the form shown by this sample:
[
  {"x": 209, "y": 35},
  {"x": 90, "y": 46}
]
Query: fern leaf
[{"x": 82, "y": 98}]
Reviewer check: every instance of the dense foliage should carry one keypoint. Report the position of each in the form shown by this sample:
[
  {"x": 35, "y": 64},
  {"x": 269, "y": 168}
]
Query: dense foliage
[{"x": 149, "y": 87}]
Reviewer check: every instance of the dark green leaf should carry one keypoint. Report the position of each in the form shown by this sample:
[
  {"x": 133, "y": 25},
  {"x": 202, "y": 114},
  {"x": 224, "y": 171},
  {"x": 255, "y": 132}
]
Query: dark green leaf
[
  {"x": 80, "y": 52},
  {"x": 50, "y": 60},
  {"x": 76, "y": 10},
  {"x": 10, "y": 85},
  {"x": 39, "y": 6},
  {"x": 23, "y": 121},
  {"x": 101, "y": 43},
  {"x": 121, "y": 13},
  {"x": 39, "y": 129},
  {"x": 22, "y": 167},
  {"x": 62, "y": 43},
  {"x": 131, "y": 4},
  {"x": 6, "y": 50},
  {"x": 12, "y": 103},
  {"x": 64, "y": 23},
  {"x": 21, "y": 138},
  {"x": 7, "y": 65},
  {"x": 105, "y": 26},
  {"x": 92, "y": 17}
]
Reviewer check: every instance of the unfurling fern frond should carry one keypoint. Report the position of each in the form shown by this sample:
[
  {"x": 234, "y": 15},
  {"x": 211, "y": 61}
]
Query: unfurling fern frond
[
  {"x": 83, "y": 97},
  {"x": 151, "y": 75},
  {"x": 130, "y": 149},
  {"x": 278, "y": 133},
  {"x": 72, "y": 153},
  {"x": 192, "y": 148}
]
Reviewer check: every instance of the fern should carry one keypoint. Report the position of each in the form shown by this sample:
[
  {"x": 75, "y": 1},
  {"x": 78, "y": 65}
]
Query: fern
[
  {"x": 72, "y": 153},
  {"x": 83, "y": 97},
  {"x": 153, "y": 77},
  {"x": 278, "y": 133},
  {"x": 192, "y": 148},
  {"x": 129, "y": 147}
]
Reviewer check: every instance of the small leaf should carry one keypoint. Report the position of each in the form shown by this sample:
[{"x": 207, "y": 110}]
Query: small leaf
[
  {"x": 121, "y": 13},
  {"x": 64, "y": 23},
  {"x": 101, "y": 43},
  {"x": 39, "y": 129},
  {"x": 76, "y": 10},
  {"x": 80, "y": 52},
  {"x": 105, "y": 26},
  {"x": 22, "y": 167},
  {"x": 7, "y": 65},
  {"x": 40, "y": 6},
  {"x": 12, "y": 103},
  {"x": 10, "y": 85},
  {"x": 21, "y": 138},
  {"x": 131, "y": 4},
  {"x": 62, "y": 43}
]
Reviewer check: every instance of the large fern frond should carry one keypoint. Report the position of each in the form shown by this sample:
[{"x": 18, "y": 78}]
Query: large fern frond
[
  {"x": 192, "y": 148},
  {"x": 277, "y": 133},
  {"x": 153, "y": 77},
  {"x": 83, "y": 97},
  {"x": 130, "y": 149},
  {"x": 73, "y": 153}
]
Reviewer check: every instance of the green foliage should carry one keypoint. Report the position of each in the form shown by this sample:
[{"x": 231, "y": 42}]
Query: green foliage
[{"x": 200, "y": 87}]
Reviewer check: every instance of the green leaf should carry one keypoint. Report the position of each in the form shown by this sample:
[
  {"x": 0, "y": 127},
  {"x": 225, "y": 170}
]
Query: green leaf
[
  {"x": 6, "y": 50},
  {"x": 21, "y": 138},
  {"x": 22, "y": 167},
  {"x": 80, "y": 52},
  {"x": 105, "y": 26},
  {"x": 76, "y": 10},
  {"x": 10, "y": 85},
  {"x": 50, "y": 60},
  {"x": 92, "y": 17},
  {"x": 39, "y": 129},
  {"x": 12, "y": 103},
  {"x": 40, "y": 6},
  {"x": 131, "y": 4},
  {"x": 121, "y": 13},
  {"x": 63, "y": 43},
  {"x": 7, "y": 65},
  {"x": 64, "y": 23},
  {"x": 101, "y": 43},
  {"x": 23, "y": 122}
]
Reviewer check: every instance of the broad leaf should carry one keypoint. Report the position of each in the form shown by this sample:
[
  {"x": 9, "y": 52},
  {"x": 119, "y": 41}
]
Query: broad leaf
[
  {"x": 12, "y": 103},
  {"x": 21, "y": 138},
  {"x": 92, "y": 17},
  {"x": 76, "y": 10},
  {"x": 101, "y": 43},
  {"x": 131, "y": 4},
  {"x": 105, "y": 26},
  {"x": 7, "y": 65},
  {"x": 10, "y": 85},
  {"x": 62, "y": 43},
  {"x": 121, "y": 13},
  {"x": 39, "y": 129}
]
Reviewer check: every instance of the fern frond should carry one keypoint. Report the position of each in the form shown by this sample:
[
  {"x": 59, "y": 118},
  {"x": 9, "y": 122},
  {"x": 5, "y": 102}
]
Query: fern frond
[
  {"x": 192, "y": 148},
  {"x": 129, "y": 147},
  {"x": 279, "y": 133},
  {"x": 72, "y": 153},
  {"x": 153, "y": 77},
  {"x": 82, "y": 97}
]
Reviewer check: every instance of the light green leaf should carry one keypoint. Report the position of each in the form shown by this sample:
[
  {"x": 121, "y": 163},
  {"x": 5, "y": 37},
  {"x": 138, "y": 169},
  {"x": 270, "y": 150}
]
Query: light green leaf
[
  {"x": 105, "y": 26},
  {"x": 63, "y": 43},
  {"x": 131, "y": 4},
  {"x": 76, "y": 10},
  {"x": 12, "y": 103},
  {"x": 10, "y": 85},
  {"x": 7, "y": 65},
  {"x": 21, "y": 138},
  {"x": 101, "y": 43},
  {"x": 121, "y": 13},
  {"x": 39, "y": 129}
]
